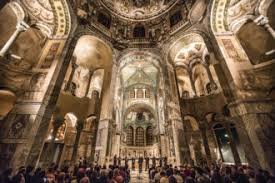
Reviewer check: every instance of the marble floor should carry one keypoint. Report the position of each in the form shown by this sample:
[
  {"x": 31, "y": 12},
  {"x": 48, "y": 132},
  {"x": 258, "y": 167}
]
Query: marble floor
[{"x": 139, "y": 178}]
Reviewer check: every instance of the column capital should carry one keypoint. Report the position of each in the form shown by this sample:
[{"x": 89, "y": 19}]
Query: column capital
[
  {"x": 261, "y": 20},
  {"x": 22, "y": 26}
]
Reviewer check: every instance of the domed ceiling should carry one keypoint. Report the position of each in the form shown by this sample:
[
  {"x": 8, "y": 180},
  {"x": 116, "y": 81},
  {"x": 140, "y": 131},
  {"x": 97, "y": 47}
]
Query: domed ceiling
[{"x": 138, "y": 9}]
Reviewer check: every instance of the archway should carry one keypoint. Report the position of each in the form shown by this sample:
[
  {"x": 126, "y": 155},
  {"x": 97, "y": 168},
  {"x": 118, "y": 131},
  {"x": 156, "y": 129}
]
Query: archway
[{"x": 194, "y": 70}]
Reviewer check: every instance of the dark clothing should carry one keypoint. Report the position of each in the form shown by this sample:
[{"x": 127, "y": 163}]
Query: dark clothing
[
  {"x": 115, "y": 161},
  {"x": 119, "y": 161},
  {"x": 126, "y": 161},
  {"x": 172, "y": 179},
  {"x": 165, "y": 161},
  {"x": 5, "y": 179},
  {"x": 160, "y": 162},
  {"x": 154, "y": 161},
  {"x": 242, "y": 179},
  {"x": 147, "y": 163},
  {"x": 140, "y": 161},
  {"x": 28, "y": 178}
]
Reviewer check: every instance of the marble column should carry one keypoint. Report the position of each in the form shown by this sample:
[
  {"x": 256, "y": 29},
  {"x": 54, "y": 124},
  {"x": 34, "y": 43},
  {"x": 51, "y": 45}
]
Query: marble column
[
  {"x": 247, "y": 146},
  {"x": 176, "y": 126},
  {"x": 74, "y": 67},
  {"x": 20, "y": 27},
  {"x": 134, "y": 136},
  {"x": 233, "y": 146},
  {"x": 94, "y": 127},
  {"x": 263, "y": 21},
  {"x": 57, "y": 122},
  {"x": 91, "y": 72},
  {"x": 144, "y": 141},
  {"x": 192, "y": 82},
  {"x": 213, "y": 85},
  {"x": 79, "y": 127},
  {"x": 203, "y": 131}
]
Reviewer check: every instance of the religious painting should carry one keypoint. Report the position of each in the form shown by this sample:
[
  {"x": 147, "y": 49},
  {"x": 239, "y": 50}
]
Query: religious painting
[{"x": 231, "y": 50}]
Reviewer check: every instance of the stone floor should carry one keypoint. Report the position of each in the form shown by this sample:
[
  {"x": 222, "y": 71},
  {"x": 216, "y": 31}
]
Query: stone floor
[{"x": 139, "y": 178}]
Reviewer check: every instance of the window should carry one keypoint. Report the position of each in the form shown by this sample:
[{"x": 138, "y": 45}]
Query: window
[
  {"x": 185, "y": 94},
  {"x": 130, "y": 136},
  {"x": 139, "y": 93},
  {"x": 61, "y": 132},
  {"x": 139, "y": 32},
  {"x": 149, "y": 135},
  {"x": 132, "y": 94},
  {"x": 147, "y": 93},
  {"x": 139, "y": 136},
  {"x": 222, "y": 136},
  {"x": 175, "y": 18},
  {"x": 104, "y": 20}
]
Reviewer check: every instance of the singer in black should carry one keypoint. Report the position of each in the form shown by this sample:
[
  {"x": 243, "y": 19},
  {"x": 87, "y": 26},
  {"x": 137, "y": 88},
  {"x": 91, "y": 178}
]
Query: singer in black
[
  {"x": 115, "y": 160},
  {"x": 119, "y": 161},
  {"x": 154, "y": 161},
  {"x": 147, "y": 162},
  {"x": 126, "y": 161},
  {"x": 140, "y": 162},
  {"x": 160, "y": 161}
]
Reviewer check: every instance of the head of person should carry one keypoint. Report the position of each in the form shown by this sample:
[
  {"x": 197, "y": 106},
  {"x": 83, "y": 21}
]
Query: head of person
[{"x": 162, "y": 174}]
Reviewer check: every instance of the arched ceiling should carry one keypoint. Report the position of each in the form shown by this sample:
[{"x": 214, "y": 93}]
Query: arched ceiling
[
  {"x": 92, "y": 53},
  {"x": 138, "y": 9},
  {"x": 139, "y": 72},
  {"x": 186, "y": 49}
]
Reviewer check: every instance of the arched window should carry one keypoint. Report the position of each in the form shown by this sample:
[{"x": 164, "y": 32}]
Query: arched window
[
  {"x": 139, "y": 32},
  {"x": 223, "y": 141},
  {"x": 147, "y": 93},
  {"x": 208, "y": 88},
  {"x": 130, "y": 136},
  {"x": 185, "y": 94},
  {"x": 61, "y": 132},
  {"x": 132, "y": 93},
  {"x": 104, "y": 19},
  {"x": 175, "y": 18},
  {"x": 139, "y": 93},
  {"x": 149, "y": 135},
  {"x": 139, "y": 136}
]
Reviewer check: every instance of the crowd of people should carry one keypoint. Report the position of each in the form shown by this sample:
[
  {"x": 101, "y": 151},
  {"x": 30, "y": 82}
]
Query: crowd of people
[
  {"x": 214, "y": 174},
  {"x": 84, "y": 173},
  {"x": 79, "y": 174}
]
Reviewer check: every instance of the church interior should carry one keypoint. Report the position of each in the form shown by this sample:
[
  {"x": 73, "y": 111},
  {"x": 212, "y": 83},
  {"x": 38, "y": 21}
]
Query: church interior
[{"x": 191, "y": 81}]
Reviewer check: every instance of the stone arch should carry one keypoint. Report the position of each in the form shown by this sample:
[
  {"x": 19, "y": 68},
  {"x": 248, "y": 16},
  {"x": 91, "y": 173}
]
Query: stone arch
[
  {"x": 7, "y": 99},
  {"x": 151, "y": 56},
  {"x": 192, "y": 124},
  {"x": 139, "y": 105}
]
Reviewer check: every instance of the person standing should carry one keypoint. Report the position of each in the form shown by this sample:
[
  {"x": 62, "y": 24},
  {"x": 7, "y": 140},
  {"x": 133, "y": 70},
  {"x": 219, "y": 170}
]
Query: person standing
[
  {"x": 119, "y": 160},
  {"x": 133, "y": 163},
  {"x": 126, "y": 161},
  {"x": 147, "y": 163},
  {"x": 154, "y": 161},
  {"x": 165, "y": 161},
  {"x": 160, "y": 161},
  {"x": 115, "y": 160},
  {"x": 140, "y": 162}
]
